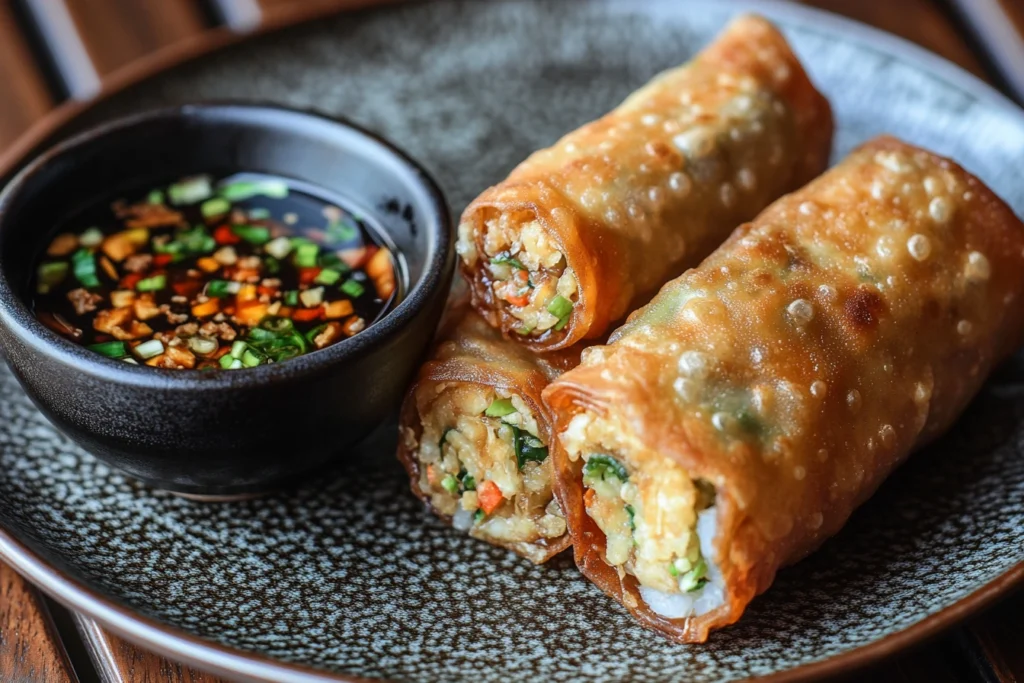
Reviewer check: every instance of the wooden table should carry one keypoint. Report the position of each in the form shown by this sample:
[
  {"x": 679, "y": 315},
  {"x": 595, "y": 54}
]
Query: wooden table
[{"x": 105, "y": 42}]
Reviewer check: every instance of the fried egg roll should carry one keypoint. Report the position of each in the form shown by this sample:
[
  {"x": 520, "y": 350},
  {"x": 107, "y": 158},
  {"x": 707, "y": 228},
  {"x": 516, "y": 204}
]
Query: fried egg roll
[
  {"x": 474, "y": 438},
  {"x": 737, "y": 420},
  {"x": 581, "y": 233}
]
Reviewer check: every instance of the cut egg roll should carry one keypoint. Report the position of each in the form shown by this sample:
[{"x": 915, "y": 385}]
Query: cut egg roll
[
  {"x": 474, "y": 438},
  {"x": 583, "y": 232},
  {"x": 736, "y": 421}
]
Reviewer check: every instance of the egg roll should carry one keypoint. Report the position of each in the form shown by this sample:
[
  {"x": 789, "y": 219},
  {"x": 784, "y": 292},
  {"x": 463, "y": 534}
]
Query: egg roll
[
  {"x": 474, "y": 438},
  {"x": 736, "y": 421},
  {"x": 581, "y": 233}
]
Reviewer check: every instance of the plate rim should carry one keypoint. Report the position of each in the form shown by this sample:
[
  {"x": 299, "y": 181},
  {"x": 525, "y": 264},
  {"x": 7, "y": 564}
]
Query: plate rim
[{"x": 178, "y": 644}]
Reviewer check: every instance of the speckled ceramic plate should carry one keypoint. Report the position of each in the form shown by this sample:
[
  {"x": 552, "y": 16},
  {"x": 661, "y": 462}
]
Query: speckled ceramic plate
[{"x": 350, "y": 577}]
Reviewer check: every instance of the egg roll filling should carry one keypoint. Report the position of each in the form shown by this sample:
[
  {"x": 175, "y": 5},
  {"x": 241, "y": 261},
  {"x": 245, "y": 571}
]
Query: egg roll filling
[
  {"x": 484, "y": 465},
  {"x": 658, "y": 521},
  {"x": 525, "y": 270}
]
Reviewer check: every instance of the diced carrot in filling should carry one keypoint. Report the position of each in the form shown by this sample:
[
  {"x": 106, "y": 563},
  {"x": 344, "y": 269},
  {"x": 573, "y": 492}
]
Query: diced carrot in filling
[{"x": 483, "y": 464}]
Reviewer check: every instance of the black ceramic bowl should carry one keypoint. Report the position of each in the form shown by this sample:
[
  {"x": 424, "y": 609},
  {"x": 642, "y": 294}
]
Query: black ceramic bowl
[{"x": 240, "y": 431}]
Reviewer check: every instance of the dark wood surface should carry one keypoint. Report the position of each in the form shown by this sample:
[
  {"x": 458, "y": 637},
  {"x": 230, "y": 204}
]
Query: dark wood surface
[
  {"x": 30, "y": 649},
  {"x": 115, "y": 35}
]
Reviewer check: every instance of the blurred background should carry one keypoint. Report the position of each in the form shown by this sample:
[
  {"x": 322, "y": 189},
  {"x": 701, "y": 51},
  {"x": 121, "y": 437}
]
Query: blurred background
[{"x": 55, "y": 52}]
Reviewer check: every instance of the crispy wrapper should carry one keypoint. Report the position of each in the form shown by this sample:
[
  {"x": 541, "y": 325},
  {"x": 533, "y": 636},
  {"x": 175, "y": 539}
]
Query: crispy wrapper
[
  {"x": 846, "y": 326},
  {"x": 632, "y": 199},
  {"x": 470, "y": 351}
]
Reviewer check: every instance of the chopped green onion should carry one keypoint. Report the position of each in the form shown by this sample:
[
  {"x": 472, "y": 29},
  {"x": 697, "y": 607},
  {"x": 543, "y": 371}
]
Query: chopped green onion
[
  {"x": 279, "y": 248},
  {"x": 524, "y": 330},
  {"x": 500, "y": 407},
  {"x": 91, "y": 238},
  {"x": 528, "y": 448},
  {"x": 479, "y": 516},
  {"x": 110, "y": 349},
  {"x": 311, "y": 298},
  {"x": 272, "y": 265},
  {"x": 216, "y": 206},
  {"x": 560, "y": 307},
  {"x": 155, "y": 197},
  {"x": 305, "y": 255},
  {"x": 562, "y": 322},
  {"x": 291, "y": 298},
  {"x": 600, "y": 467},
  {"x": 50, "y": 275},
  {"x": 238, "y": 349},
  {"x": 353, "y": 288},
  {"x": 83, "y": 264},
  {"x": 152, "y": 284},
  {"x": 468, "y": 482},
  {"x": 694, "y": 579},
  {"x": 229, "y": 362},
  {"x": 450, "y": 484},
  {"x": 279, "y": 326},
  {"x": 246, "y": 189},
  {"x": 329, "y": 259},
  {"x": 632, "y": 517},
  {"x": 204, "y": 346},
  {"x": 251, "y": 358},
  {"x": 190, "y": 190},
  {"x": 254, "y": 234},
  {"x": 508, "y": 259},
  {"x": 327, "y": 277},
  {"x": 672, "y": 568},
  {"x": 222, "y": 288},
  {"x": 315, "y": 332},
  {"x": 149, "y": 349},
  {"x": 193, "y": 241}
]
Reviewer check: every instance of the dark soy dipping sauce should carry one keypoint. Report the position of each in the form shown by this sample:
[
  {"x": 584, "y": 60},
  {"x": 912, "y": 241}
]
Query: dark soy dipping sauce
[{"x": 209, "y": 273}]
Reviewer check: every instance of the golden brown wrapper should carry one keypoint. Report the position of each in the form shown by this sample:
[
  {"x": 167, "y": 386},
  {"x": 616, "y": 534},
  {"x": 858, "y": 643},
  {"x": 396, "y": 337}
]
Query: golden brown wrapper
[
  {"x": 633, "y": 198},
  {"x": 469, "y": 350},
  {"x": 854, "y": 319}
]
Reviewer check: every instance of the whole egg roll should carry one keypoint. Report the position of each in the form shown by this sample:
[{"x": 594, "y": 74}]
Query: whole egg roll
[
  {"x": 474, "y": 437},
  {"x": 582, "y": 232},
  {"x": 736, "y": 421}
]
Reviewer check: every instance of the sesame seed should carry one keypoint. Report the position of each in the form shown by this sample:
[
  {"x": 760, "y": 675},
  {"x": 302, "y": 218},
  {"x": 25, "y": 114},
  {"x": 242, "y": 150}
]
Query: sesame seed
[
  {"x": 656, "y": 195},
  {"x": 931, "y": 185},
  {"x": 968, "y": 196},
  {"x": 721, "y": 421},
  {"x": 806, "y": 208},
  {"x": 919, "y": 247},
  {"x": 822, "y": 454},
  {"x": 815, "y": 520},
  {"x": 799, "y": 472},
  {"x": 964, "y": 327},
  {"x": 570, "y": 147},
  {"x": 650, "y": 119},
  {"x": 635, "y": 211},
  {"x": 818, "y": 389},
  {"x": 801, "y": 311},
  {"x": 853, "y": 400},
  {"x": 921, "y": 393},
  {"x": 978, "y": 268},
  {"x": 680, "y": 183},
  {"x": 940, "y": 209},
  {"x": 696, "y": 142},
  {"x": 877, "y": 189}
]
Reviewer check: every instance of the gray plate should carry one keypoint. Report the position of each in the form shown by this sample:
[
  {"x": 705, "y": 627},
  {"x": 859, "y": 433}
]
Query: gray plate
[{"x": 350, "y": 577}]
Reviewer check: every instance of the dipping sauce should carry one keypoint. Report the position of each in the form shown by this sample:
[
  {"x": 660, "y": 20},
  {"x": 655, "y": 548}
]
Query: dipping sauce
[{"x": 214, "y": 274}]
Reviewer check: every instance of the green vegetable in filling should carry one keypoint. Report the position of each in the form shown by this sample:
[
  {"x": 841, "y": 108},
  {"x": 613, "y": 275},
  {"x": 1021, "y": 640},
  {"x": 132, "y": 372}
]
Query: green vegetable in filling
[
  {"x": 450, "y": 484},
  {"x": 527, "y": 447},
  {"x": 695, "y": 578},
  {"x": 508, "y": 259},
  {"x": 600, "y": 467},
  {"x": 632, "y": 518},
  {"x": 560, "y": 307},
  {"x": 500, "y": 407},
  {"x": 444, "y": 437},
  {"x": 479, "y": 516},
  {"x": 468, "y": 482}
]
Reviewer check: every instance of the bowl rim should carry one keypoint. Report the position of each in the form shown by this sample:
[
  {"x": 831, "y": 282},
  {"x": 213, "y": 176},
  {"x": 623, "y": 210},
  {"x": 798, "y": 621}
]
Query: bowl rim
[{"x": 437, "y": 269}]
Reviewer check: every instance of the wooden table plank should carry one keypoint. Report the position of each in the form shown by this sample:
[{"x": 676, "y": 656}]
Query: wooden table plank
[
  {"x": 30, "y": 650},
  {"x": 25, "y": 94},
  {"x": 117, "y": 32},
  {"x": 118, "y": 661}
]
